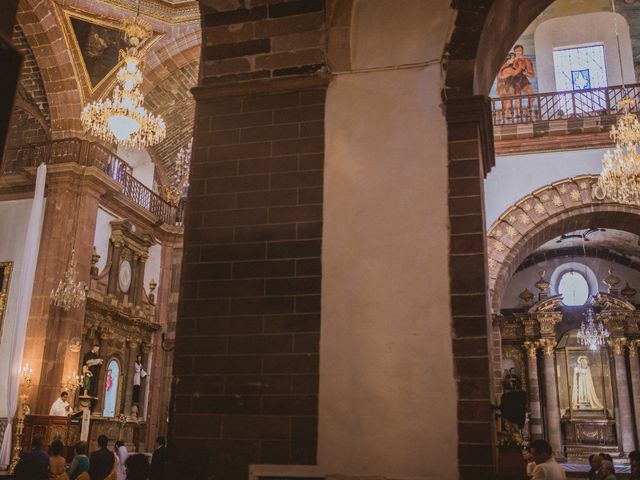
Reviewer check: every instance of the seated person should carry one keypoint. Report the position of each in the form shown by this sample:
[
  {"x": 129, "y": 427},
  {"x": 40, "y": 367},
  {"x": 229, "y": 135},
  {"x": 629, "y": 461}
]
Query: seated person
[
  {"x": 60, "y": 407},
  {"x": 80, "y": 464}
]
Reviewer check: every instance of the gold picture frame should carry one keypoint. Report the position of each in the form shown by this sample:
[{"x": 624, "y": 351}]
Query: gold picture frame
[{"x": 6, "y": 268}]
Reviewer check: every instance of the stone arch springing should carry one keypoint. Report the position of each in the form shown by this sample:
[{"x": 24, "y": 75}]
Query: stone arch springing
[{"x": 548, "y": 212}]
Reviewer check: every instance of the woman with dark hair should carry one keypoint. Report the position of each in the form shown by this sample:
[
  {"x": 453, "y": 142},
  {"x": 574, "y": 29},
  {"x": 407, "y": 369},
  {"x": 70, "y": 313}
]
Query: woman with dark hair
[
  {"x": 57, "y": 461},
  {"x": 138, "y": 467},
  {"x": 80, "y": 464}
]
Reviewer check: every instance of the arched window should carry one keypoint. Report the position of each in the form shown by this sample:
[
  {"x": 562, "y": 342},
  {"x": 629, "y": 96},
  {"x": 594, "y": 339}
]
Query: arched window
[
  {"x": 112, "y": 377},
  {"x": 574, "y": 288}
]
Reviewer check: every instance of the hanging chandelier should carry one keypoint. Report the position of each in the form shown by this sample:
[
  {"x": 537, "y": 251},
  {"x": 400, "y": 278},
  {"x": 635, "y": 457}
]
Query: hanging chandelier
[
  {"x": 592, "y": 334},
  {"x": 180, "y": 178},
  {"x": 122, "y": 119},
  {"x": 69, "y": 294},
  {"x": 620, "y": 177}
]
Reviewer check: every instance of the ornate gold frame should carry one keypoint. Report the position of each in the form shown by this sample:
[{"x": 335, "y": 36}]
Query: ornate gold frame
[
  {"x": 4, "y": 291},
  {"x": 64, "y": 14}
]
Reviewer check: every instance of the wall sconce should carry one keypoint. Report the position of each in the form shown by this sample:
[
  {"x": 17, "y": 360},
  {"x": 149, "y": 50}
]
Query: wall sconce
[{"x": 26, "y": 375}]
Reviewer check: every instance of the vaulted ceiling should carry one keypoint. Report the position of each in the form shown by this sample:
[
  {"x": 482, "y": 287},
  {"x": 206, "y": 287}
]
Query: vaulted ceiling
[{"x": 91, "y": 33}]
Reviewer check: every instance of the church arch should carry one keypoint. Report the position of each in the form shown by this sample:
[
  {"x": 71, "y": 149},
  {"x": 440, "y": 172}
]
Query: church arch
[
  {"x": 542, "y": 215},
  {"x": 43, "y": 33}
]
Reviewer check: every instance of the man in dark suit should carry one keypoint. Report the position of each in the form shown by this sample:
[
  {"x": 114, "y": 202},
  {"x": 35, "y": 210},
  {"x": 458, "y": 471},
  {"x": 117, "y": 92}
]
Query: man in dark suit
[
  {"x": 102, "y": 460},
  {"x": 159, "y": 460},
  {"x": 33, "y": 465}
]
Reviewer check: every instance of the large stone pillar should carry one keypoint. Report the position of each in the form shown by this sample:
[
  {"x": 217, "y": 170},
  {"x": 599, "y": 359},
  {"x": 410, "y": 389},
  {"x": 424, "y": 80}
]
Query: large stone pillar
[
  {"x": 534, "y": 390},
  {"x": 634, "y": 367},
  {"x": 69, "y": 223},
  {"x": 624, "y": 420},
  {"x": 552, "y": 410}
]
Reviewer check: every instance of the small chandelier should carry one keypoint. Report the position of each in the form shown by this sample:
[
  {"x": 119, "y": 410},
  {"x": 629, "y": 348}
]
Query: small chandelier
[
  {"x": 69, "y": 294},
  {"x": 180, "y": 178},
  {"x": 620, "y": 177},
  {"x": 122, "y": 119},
  {"x": 592, "y": 334}
]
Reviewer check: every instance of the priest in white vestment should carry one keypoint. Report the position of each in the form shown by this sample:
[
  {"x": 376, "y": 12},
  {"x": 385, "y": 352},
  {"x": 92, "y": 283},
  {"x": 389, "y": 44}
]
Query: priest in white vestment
[{"x": 61, "y": 407}]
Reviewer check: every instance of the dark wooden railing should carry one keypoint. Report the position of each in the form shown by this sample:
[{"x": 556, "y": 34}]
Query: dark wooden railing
[
  {"x": 594, "y": 102},
  {"x": 90, "y": 154}
]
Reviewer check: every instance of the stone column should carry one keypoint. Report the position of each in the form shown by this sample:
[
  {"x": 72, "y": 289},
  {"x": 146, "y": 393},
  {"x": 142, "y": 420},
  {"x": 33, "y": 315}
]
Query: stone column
[
  {"x": 635, "y": 383},
  {"x": 534, "y": 390},
  {"x": 624, "y": 421},
  {"x": 69, "y": 223},
  {"x": 552, "y": 411}
]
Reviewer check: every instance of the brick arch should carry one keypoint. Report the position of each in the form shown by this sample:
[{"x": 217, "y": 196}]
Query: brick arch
[
  {"x": 43, "y": 33},
  {"x": 548, "y": 212}
]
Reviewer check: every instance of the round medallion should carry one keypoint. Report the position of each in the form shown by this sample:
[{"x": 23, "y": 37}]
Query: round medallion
[{"x": 124, "y": 276}]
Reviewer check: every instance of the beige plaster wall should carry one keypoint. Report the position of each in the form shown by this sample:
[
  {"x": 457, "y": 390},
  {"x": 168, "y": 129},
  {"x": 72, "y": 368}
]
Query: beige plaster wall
[
  {"x": 387, "y": 391},
  {"x": 586, "y": 29}
]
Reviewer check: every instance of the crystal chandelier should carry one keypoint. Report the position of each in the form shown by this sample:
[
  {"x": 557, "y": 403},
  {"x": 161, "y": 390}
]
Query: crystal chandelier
[
  {"x": 620, "y": 177},
  {"x": 69, "y": 294},
  {"x": 180, "y": 178},
  {"x": 592, "y": 334},
  {"x": 122, "y": 119}
]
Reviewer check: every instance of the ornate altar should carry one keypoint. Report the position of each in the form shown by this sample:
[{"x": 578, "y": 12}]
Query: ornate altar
[
  {"x": 120, "y": 324},
  {"x": 579, "y": 398},
  {"x": 66, "y": 429}
]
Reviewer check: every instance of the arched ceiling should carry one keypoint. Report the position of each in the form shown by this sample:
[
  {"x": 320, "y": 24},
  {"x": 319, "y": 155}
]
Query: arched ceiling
[
  {"x": 92, "y": 36},
  {"x": 172, "y": 99}
]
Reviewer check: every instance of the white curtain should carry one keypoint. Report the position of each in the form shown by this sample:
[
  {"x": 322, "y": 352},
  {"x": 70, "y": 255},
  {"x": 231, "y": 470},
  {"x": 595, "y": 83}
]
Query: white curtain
[{"x": 25, "y": 289}]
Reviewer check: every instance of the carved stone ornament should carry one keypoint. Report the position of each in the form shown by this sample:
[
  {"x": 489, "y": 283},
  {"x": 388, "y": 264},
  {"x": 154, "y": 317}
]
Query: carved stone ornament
[
  {"x": 542, "y": 285},
  {"x": 611, "y": 281},
  {"x": 531, "y": 348},
  {"x": 548, "y": 345},
  {"x": 527, "y": 297},
  {"x": 628, "y": 292},
  {"x": 548, "y": 323},
  {"x": 618, "y": 345},
  {"x": 633, "y": 348}
]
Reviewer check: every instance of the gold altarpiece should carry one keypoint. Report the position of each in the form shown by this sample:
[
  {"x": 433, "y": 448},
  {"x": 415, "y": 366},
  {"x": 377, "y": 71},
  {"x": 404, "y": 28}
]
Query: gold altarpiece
[
  {"x": 594, "y": 406},
  {"x": 121, "y": 318}
]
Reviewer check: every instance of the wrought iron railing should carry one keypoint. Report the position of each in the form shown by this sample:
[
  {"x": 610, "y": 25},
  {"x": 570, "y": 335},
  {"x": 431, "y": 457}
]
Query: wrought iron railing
[
  {"x": 90, "y": 154},
  {"x": 594, "y": 102}
]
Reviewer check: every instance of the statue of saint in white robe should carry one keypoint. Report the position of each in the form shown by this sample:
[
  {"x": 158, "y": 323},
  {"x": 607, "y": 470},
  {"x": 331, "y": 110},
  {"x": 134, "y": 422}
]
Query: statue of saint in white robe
[{"x": 584, "y": 392}]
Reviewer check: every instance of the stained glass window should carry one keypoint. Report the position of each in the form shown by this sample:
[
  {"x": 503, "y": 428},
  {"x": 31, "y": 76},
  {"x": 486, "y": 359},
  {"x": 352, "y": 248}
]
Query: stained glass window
[{"x": 579, "y": 68}]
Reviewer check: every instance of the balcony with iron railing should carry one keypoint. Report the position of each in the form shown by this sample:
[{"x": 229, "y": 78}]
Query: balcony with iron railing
[
  {"x": 559, "y": 120},
  {"x": 543, "y": 107},
  {"x": 90, "y": 154}
]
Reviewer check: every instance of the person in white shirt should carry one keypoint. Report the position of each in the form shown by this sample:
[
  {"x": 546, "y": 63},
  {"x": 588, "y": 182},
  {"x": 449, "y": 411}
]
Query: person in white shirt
[
  {"x": 546, "y": 466},
  {"x": 61, "y": 407}
]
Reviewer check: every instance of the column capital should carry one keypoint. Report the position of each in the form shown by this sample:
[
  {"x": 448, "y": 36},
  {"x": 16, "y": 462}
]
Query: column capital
[
  {"x": 532, "y": 348},
  {"x": 633, "y": 347},
  {"x": 548, "y": 345},
  {"x": 618, "y": 344}
]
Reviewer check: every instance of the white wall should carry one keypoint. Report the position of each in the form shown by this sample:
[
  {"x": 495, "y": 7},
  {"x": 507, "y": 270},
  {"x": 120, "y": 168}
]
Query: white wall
[
  {"x": 515, "y": 176},
  {"x": 529, "y": 276},
  {"x": 140, "y": 161},
  {"x": 102, "y": 236},
  {"x": 588, "y": 28},
  {"x": 14, "y": 216},
  {"x": 387, "y": 402}
]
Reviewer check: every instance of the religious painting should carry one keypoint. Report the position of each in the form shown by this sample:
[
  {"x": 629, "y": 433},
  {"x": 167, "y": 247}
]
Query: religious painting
[
  {"x": 99, "y": 46},
  {"x": 111, "y": 383},
  {"x": 5, "y": 276}
]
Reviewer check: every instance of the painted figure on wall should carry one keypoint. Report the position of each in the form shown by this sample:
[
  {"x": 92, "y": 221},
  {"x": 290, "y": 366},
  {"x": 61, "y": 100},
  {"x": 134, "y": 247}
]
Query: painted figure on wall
[
  {"x": 584, "y": 392},
  {"x": 513, "y": 77}
]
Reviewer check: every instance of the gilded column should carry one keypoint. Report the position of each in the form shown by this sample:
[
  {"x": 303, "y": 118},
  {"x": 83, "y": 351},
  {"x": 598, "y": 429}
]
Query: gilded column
[
  {"x": 624, "y": 421},
  {"x": 552, "y": 410},
  {"x": 534, "y": 390},
  {"x": 634, "y": 367}
]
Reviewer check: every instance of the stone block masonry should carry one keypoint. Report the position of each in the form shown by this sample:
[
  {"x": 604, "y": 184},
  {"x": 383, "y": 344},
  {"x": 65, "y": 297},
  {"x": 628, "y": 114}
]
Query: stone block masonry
[{"x": 249, "y": 322}]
